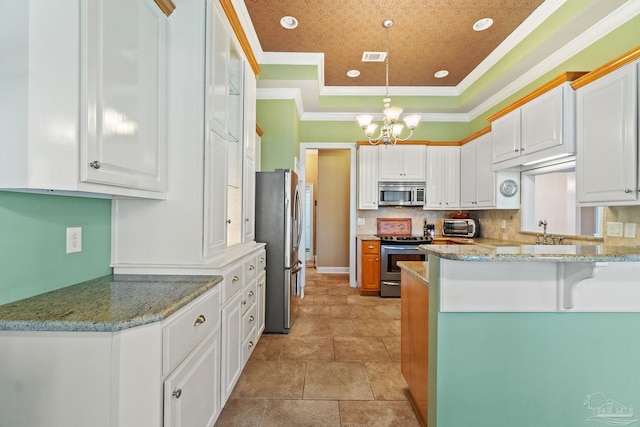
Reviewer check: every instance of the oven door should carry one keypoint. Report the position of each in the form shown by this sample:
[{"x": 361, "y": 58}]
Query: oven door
[{"x": 389, "y": 269}]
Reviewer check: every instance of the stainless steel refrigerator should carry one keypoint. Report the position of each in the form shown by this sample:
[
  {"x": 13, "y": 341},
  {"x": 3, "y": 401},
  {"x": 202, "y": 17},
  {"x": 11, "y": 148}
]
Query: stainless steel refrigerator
[{"x": 279, "y": 224}]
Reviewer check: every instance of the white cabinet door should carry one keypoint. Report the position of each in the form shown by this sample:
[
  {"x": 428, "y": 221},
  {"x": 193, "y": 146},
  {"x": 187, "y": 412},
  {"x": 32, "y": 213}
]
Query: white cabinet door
[
  {"x": 506, "y": 137},
  {"x": 607, "y": 138},
  {"x": 368, "y": 177},
  {"x": 542, "y": 122},
  {"x": 485, "y": 177},
  {"x": 122, "y": 102},
  {"x": 477, "y": 182},
  {"x": 248, "y": 193},
  {"x": 390, "y": 158},
  {"x": 215, "y": 201},
  {"x": 443, "y": 177},
  {"x": 434, "y": 172},
  {"x": 414, "y": 160},
  {"x": 231, "y": 344},
  {"x": 261, "y": 298},
  {"x": 401, "y": 162},
  {"x": 468, "y": 175},
  {"x": 192, "y": 392}
]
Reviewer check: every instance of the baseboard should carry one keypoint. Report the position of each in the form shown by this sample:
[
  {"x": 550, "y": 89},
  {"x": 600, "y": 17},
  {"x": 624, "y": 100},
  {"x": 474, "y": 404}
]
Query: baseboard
[{"x": 333, "y": 270}]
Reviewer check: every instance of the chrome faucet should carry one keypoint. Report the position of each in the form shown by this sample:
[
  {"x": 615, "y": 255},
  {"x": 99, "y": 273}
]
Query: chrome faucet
[{"x": 543, "y": 223}]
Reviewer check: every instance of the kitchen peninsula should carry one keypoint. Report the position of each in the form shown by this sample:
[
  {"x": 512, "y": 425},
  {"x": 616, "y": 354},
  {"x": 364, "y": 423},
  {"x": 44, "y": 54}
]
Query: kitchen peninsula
[{"x": 522, "y": 335}]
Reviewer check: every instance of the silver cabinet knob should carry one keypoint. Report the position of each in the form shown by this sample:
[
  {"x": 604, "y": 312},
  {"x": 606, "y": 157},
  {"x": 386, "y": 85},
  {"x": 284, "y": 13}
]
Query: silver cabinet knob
[
  {"x": 250, "y": 344},
  {"x": 235, "y": 279},
  {"x": 200, "y": 320},
  {"x": 251, "y": 267},
  {"x": 251, "y": 318},
  {"x": 516, "y": 150},
  {"x": 627, "y": 190},
  {"x": 250, "y": 294},
  {"x": 177, "y": 393},
  {"x": 246, "y": 219},
  {"x": 95, "y": 164},
  {"x": 228, "y": 221}
]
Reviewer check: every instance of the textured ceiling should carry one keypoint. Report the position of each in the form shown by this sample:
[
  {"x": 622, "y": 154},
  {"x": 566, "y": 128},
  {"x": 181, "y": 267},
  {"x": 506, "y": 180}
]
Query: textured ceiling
[{"x": 426, "y": 36}]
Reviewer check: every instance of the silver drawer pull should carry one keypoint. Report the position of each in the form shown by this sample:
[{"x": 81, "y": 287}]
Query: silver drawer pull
[
  {"x": 261, "y": 260},
  {"x": 250, "y": 344},
  {"x": 251, "y": 268},
  {"x": 371, "y": 246},
  {"x": 177, "y": 393},
  {"x": 250, "y": 294},
  {"x": 235, "y": 279},
  {"x": 200, "y": 320},
  {"x": 244, "y": 302},
  {"x": 251, "y": 318}
]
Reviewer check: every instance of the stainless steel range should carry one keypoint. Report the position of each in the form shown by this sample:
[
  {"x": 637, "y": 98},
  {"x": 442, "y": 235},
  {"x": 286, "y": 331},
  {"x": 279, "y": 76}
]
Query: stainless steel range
[{"x": 397, "y": 244}]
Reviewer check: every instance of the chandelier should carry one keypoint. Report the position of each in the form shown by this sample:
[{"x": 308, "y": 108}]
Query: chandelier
[{"x": 391, "y": 130}]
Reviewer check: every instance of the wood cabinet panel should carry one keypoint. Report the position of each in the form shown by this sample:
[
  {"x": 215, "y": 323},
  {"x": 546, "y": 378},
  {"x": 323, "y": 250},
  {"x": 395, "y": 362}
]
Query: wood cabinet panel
[{"x": 368, "y": 268}]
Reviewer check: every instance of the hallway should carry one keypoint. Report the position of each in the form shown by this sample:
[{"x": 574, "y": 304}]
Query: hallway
[{"x": 338, "y": 366}]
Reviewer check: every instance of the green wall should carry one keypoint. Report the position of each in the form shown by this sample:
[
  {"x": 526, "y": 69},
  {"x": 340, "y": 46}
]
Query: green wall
[
  {"x": 280, "y": 123},
  {"x": 33, "y": 242}
]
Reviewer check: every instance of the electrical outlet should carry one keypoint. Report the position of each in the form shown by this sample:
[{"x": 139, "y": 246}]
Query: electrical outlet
[
  {"x": 630, "y": 230},
  {"x": 74, "y": 239},
  {"x": 614, "y": 229},
  {"x": 360, "y": 221},
  {"x": 503, "y": 224}
]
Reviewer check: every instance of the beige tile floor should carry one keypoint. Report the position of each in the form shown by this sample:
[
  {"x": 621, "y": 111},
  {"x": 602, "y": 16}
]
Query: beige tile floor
[{"x": 338, "y": 366}]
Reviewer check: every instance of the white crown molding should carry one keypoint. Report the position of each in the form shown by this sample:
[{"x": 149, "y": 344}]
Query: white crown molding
[
  {"x": 283, "y": 93},
  {"x": 612, "y": 21},
  {"x": 543, "y": 12}
]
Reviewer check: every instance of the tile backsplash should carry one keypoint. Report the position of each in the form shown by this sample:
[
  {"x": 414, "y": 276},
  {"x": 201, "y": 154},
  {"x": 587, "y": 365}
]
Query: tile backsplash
[{"x": 491, "y": 222}]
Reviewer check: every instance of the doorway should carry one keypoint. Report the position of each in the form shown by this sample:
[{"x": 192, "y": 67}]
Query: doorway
[
  {"x": 309, "y": 214},
  {"x": 351, "y": 147}
]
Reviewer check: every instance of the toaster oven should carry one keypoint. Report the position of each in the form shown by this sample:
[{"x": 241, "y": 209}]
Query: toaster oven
[{"x": 468, "y": 227}]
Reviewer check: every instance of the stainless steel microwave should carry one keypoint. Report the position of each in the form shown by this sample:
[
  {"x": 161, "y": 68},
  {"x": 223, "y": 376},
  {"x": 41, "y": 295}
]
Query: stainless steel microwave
[{"x": 401, "y": 194}]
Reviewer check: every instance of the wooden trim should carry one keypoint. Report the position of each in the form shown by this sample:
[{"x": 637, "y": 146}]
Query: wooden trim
[
  {"x": 607, "y": 68},
  {"x": 475, "y": 135},
  {"x": 166, "y": 6},
  {"x": 232, "y": 16},
  {"x": 259, "y": 131},
  {"x": 561, "y": 79}
]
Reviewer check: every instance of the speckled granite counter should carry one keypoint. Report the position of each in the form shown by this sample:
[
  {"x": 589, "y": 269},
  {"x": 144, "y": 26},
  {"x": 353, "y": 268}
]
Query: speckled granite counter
[
  {"x": 540, "y": 253},
  {"x": 105, "y": 304},
  {"x": 418, "y": 269}
]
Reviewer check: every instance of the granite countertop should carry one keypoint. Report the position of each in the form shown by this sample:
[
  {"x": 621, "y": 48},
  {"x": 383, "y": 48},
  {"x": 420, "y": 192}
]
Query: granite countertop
[
  {"x": 419, "y": 269},
  {"x": 502, "y": 251},
  {"x": 106, "y": 304}
]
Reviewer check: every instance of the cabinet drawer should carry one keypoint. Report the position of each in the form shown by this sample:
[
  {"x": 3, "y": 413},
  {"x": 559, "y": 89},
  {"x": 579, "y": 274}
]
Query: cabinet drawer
[
  {"x": 249, "y": 321},
  {"x": 187, "y": 327},
  {"x": 250, "y": 267},
  {"x": 249, "y": 297},
  {"x": 370, "y": 247},
  {"x": 261, "y": 260},
  {"x": 233, "y": 281}
]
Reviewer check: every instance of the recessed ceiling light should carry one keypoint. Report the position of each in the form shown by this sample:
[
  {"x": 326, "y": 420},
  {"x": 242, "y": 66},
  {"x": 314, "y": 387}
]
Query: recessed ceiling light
[
  {"x": 353, "y": 73},
  {"x": 483, "y": 24},
  {"x": 289, "y": 22},
  {"x": 440, "y": 74}
]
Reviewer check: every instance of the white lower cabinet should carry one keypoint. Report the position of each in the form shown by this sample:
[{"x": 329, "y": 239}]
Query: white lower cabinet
[
  {"x": 191, "y": 392},
  {"x": 243, "y": 307}
]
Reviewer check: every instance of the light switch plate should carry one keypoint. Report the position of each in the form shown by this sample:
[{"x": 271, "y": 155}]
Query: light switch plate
[
  {"x": 614, "y": 229},
  {"x": 360, "y": 221},
  {"x": 630, "y": 230}
]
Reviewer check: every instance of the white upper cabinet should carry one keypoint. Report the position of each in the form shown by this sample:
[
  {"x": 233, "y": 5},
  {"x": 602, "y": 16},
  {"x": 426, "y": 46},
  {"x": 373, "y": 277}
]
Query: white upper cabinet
[
  {"x": 480, "y": 187},
  {"x": 367, "y": 177},
  {"x": 541, "y": 129},
  {"x": 83, "y": 105},
  {"x": 206, "y": 220},
  {"x": 443, "y": 177},
  {"x": 401, "y": 163},
  {"x": 607, "y": 139}
]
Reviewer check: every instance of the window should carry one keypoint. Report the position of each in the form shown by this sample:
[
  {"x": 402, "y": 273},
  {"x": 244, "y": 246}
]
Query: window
[{"x": 549, "y": 194}]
